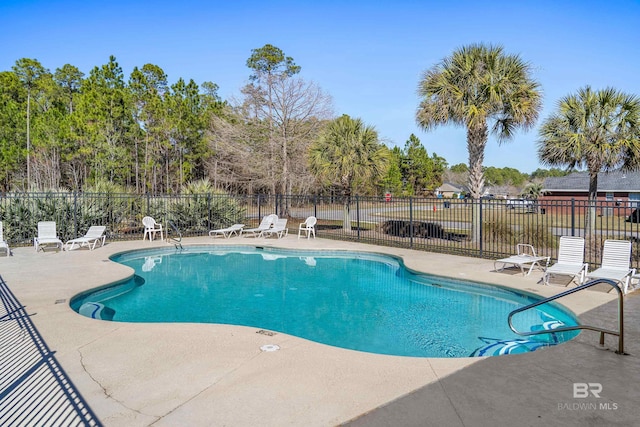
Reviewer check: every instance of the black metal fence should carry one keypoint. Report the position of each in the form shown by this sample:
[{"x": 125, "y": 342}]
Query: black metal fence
[{"x": 430, "y": 224}]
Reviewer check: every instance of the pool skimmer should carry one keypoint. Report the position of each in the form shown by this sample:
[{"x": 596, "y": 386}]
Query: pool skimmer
[{"x": 270, "y": 347}]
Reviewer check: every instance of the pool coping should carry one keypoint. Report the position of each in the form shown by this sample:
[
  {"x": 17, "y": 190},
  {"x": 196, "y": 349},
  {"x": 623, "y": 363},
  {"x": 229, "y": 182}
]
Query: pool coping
[{"x": 190, "y": 374}]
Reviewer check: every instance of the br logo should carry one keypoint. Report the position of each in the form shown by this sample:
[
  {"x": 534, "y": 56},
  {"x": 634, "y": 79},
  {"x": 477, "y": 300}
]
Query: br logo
[{"x": 583, "y": 390}]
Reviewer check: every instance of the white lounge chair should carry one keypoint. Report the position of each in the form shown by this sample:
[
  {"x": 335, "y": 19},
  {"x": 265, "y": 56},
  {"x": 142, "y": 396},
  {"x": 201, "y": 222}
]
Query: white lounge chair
[
  {"x": 570, "y": 260},
  {"x": 616, "y": 260},
  {"x": 47, "y": 235},
  {"x": 227, "y": 232},
  {"x": 151, "y": 227},
  {"x": 94, "y": 234},
  {"x": 3, "y": 243},
  {"x": 308, "y": 226},
  {"x": 266, "y": 223},
  {"x": 526, "y": 255},
  {"x": 279, "y": 229}
]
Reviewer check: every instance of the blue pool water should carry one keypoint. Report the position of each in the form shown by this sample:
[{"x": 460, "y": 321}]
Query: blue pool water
[{"x": 360, "y": 301}]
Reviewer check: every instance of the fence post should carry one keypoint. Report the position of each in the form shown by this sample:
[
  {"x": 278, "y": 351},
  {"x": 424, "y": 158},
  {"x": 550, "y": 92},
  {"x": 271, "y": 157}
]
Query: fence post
[
  {"x": 358, "y": 215},
  {"x": 573, "y": 216},
  {"x": 259, "y": 207},
  {"x": 75, "y": 213},
  {"x": 315, "y": 205},
  {"x": 209, "y": 209},
  {"x": 480, "y": 234},
  {"x": 148, "y": 203},
  {"x": 411, "y": 222}
]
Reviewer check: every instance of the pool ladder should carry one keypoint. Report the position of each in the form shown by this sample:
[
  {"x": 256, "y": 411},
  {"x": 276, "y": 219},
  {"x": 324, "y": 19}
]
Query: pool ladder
[
  {"x": 619, "y": 333},
  {"x": 177, "y": 242}
]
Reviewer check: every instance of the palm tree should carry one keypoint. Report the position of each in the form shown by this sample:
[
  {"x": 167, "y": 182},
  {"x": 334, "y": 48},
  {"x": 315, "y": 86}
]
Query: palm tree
[
  {"x": 532, "y": 191},
  {"x": 475, "y": 86},
  {"x": 347, "y": 155},
  {"x": 599, "y": 130}
]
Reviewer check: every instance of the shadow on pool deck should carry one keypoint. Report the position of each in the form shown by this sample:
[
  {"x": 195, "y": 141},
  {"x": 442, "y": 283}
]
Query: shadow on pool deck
[
  {"x": 537, "y": 389},
  {"x": 34, "y": 389},
  {"x": 203, "y": 375}
]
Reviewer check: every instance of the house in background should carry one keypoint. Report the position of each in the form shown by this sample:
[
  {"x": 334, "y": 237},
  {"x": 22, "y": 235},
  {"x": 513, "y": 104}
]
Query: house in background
[
  {"x": 447, "y": 190},
  {"x": 618, "y": 192},
  {"x": 500, "y": 191}
]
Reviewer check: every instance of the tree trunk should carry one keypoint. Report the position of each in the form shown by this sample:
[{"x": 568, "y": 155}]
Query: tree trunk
[
  {"x": 476, "y": 142},
  {"x": 347, "y": 212},
  {"x": 590, "y": 220}
]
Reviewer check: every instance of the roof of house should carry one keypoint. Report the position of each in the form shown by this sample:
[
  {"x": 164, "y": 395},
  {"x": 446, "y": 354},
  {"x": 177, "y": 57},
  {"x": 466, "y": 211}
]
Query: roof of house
[
  {"x": 607, "y": 181},
  {"x": 448, "y": 186},
  {"x": 503, "y": 190}
]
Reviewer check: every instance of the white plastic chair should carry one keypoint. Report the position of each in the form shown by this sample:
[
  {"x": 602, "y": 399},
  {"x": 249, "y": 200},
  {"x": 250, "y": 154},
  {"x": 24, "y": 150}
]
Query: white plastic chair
[
  {"x": 94, "y": 235},
  {"x": 3, "y": 243},
  {"x": 151, "y": 227},
  {"x": 309, "y": 227},
  {"x": 47, "y": 235},
  {"x": 616, "y": 261}
]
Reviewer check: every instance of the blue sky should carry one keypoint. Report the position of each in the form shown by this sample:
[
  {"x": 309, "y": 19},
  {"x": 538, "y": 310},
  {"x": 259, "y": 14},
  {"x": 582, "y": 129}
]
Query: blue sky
[{"x": 369, "y": 56}]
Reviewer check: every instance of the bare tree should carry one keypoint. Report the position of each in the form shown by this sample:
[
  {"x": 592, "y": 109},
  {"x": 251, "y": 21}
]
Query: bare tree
[
  {"x": 299, "y": 110},
  {"x": 238, "y": 163},
  {"x": 279, "y": 132}
]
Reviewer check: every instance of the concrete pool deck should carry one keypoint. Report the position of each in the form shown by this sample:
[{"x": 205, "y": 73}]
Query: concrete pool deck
[{"x": 217, "y": 375}]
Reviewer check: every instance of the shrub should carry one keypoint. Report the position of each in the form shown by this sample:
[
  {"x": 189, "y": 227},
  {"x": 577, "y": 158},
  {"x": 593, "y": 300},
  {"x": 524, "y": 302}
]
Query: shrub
[
  {"x": 201, "y": 208},
  {"x": 537, "y": 235}
]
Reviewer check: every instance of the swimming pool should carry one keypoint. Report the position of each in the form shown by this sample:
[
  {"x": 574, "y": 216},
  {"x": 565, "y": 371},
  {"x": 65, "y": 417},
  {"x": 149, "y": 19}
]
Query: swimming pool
[{"x": 355, "y": 300}]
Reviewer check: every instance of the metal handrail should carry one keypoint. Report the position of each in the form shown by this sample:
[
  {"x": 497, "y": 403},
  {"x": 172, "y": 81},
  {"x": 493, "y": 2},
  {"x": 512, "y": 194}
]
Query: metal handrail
[
  {"x": 619, "y": 333},
  {"x": 176, "y": 242}
]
